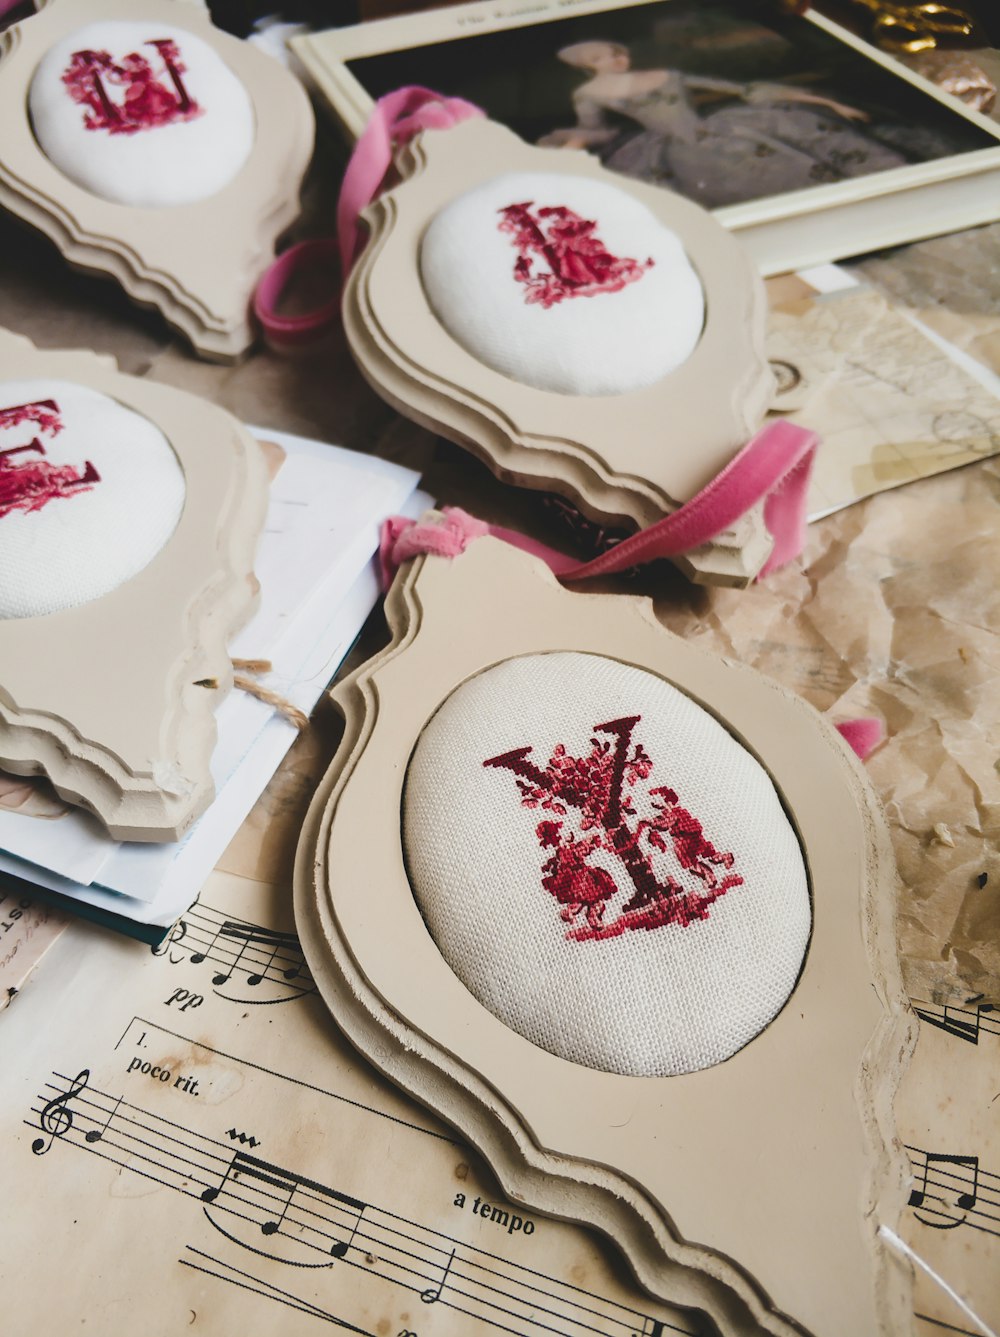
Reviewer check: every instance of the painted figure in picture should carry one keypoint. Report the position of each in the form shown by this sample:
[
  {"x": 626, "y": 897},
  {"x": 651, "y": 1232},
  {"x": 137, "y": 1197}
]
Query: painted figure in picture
[{"x": 747, "y": 142}]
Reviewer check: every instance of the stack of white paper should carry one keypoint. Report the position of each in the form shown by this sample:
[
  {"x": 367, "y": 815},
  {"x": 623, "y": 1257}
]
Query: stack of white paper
[{"x": 318, "y": 583}]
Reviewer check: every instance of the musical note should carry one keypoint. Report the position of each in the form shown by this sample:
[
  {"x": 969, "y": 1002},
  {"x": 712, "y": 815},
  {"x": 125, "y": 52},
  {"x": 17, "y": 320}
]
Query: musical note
[
  {"x": 250, "y": 935},
  {"x": 963, "y": 1023},
  {"x": 244, "y": 1167},
  {"x": 95, "y": 1134},
  {"x": 279, "y": 940},
  {"x": 56, "y": 1119},
  {"x": 942, "y": 1190},
  {"x": 433, "y": 1293},
  {"x": 339, "y": 1250},
  {"x": 276, "y": 1213},
  {"x": 244, "y": 935},
  {"x": 263, "y": 956}
]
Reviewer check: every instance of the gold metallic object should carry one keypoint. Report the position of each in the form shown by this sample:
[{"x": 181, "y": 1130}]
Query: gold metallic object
[{"x": 917, "y": 27}]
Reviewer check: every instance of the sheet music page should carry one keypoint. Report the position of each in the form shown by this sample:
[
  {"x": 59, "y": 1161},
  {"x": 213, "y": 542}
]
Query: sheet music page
[
  {"x": 192, "y": 1131},
  {"x": 195, "y": 1147},
  {"x": 948, "y": 1117}
]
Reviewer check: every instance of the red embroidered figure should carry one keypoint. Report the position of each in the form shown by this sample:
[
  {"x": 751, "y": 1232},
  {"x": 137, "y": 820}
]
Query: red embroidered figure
[
  {"x": 693, "y": 851},
  {"x": 146, "y": 102},
  {"x": 28, "y": 485},
  {"x": 579, "y": 264},
  {"x": 43, "y": 413},
  {"x": 595, "y": 786}
]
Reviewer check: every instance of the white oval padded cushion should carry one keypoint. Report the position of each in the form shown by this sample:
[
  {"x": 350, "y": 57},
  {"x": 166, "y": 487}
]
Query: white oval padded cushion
[
  {"x": 89, "y": 494},
  {"x": 149, "y": 151},
  {"x": 579, "y": 310},
  {"x": 524, "y": 870}
]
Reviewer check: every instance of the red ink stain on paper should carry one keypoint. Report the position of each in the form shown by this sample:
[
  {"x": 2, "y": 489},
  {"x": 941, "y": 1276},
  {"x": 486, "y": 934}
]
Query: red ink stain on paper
[
  {"x": 597, "y": 786},
  {"x": 123, "y": 97},
  {"x": 560, "y": 255}
]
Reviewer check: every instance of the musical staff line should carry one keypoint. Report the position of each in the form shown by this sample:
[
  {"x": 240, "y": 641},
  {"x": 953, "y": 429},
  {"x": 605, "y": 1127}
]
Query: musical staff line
[
  {"x": 965, "y": 1023},
  {"x": 273, "y": 1211},
  {"x": 952, "y": 1190},
  {"x": 238, "y": 947},
  {"x": 257, "y": 1286},
  {"x": 946, "y": 1327},
  {"x": 286, "y": 1077}
]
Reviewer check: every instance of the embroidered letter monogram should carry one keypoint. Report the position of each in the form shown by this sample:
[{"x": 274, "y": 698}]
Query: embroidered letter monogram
[
  {"x": 597, "y": 786},
  {"x": 27, "y": 485},
  {"x": 579, "y": 264},
  {"x": 144, "y": 101}
]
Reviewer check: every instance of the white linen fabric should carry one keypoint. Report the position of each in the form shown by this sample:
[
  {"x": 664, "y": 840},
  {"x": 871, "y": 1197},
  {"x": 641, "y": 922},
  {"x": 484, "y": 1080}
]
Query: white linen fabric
[
  {"x": 573, "y": 916},
  {"x": 154, "y": 129},
  {"x": 90, "y": 492},
  {"x": 579, "y": 310}
]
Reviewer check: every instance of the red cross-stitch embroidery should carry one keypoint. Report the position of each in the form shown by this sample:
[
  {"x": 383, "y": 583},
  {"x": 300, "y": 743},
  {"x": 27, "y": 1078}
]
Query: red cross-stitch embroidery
[
  {"x": 27, "y": 485},
  {"x": 595, "y": 785},
  {"x": 125, "y": 96},
  {"x": 579, "y": 264}
]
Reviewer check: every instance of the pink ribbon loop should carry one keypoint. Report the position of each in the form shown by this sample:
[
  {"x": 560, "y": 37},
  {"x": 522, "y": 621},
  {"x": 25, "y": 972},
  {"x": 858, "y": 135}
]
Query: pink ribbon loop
[
  {"x": 774, "y": 467},
  {"x": 445, "y": 534},
  {"x": 449, "y": 532},
  {"x": 395, "y": 120},
  {"x": 315, "y": 257},
  {"x": 397, "y": 117}
]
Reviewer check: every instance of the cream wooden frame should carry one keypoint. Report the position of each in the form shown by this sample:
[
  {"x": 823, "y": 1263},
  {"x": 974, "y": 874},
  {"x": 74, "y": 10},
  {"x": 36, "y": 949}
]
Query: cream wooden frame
[
  {"x": 196, "y": 263},
  {"x": 625, "y": 460},
  {"x": 114, "y": 700},
  {"x": 754, "y": 1190}
]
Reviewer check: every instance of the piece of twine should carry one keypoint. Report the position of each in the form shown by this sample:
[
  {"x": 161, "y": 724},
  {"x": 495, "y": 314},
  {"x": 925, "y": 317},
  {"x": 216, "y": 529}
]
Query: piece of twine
[{"x": 245, "y": 677}]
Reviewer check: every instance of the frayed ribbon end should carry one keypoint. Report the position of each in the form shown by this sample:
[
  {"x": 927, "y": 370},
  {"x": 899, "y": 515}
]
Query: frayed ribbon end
[
  {"x": 445, "y": 533},
  {"x": 862, "y": 735}
]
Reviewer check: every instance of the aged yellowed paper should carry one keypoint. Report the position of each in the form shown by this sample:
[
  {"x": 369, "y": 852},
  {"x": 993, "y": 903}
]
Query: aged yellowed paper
[
  {"x": 888, "y": 405},
  {"x": 187, "y": 1127}
]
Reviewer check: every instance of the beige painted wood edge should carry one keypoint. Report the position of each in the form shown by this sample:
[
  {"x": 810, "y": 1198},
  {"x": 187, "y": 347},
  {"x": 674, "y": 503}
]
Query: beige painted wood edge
[
  {"x": 104, "y": 698},
  {"x": 546, "y": 1181},
  {"x": 199, "y": 263},
  {"x": 605, "y": 452},
  {"x": 733, "y": 558}
]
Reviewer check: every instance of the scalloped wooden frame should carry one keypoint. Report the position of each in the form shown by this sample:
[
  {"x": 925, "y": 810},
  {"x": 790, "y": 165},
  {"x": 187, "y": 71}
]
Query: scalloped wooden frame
[
  {"x": 114, "y": 700},
  {"x": 196, "y": 263},
  {"x": 604, "y": 452},
  {"x": 753, "y": 1190}
]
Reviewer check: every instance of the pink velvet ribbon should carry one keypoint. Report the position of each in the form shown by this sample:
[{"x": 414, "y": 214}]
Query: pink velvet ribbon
[
  {"x": 449, "y": 532},
  {"x": 289, "y": 331},
  {"x": 862, "y": 734},
  {"x": 773, "y": 466},
  {"x": 396, "y": 118}
]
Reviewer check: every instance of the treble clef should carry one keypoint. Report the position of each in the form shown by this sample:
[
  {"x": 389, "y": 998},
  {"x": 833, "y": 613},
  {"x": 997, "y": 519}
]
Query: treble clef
[{"x": 55, "y": 1118}]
